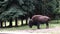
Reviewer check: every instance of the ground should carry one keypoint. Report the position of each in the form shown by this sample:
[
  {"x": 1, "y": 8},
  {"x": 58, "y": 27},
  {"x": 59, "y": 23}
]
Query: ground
[{"x": 55, "y": 30}]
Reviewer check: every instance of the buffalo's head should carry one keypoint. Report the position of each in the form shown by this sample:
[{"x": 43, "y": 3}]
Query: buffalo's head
[{"x": 30, "y": 23}]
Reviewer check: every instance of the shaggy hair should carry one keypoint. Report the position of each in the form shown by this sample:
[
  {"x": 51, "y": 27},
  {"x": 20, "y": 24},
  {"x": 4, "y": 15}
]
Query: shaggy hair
[{"x": 39, "y": 19}]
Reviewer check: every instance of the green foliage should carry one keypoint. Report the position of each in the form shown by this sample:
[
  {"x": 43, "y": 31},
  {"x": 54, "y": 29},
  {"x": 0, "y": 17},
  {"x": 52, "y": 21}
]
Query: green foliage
[
  {"x": 50, "y": 7},
  {"x": 20, "y": 8},
  {"x": 16, "y": 8}
]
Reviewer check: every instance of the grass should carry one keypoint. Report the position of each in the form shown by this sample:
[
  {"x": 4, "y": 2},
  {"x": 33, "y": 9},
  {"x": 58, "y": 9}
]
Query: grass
[
  {"x": 27, "y": 27},
  {"x": 55, "y": 21},
  {"x": 43, "y": 26}
]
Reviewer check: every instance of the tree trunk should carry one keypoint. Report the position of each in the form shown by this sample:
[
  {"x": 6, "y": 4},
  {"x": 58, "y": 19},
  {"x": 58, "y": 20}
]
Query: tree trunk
[
  {"x": 1, "y": 23},
  {"x": 5, "y": 23},
  {"x": 26, "y": 21},
  {"x": 16, "y": 21},
  {"x": 10, "y": 22},
  {"x": 21, "y": 22}
]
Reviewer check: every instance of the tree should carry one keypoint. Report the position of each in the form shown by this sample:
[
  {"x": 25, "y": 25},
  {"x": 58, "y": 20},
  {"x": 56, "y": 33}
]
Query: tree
[
  {"x": 12, "y": 9},
  {"x": 49, "y": 7}
]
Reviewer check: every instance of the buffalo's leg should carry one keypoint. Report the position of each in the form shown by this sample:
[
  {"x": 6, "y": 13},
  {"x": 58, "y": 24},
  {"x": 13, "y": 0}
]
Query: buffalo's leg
[{"x": 47, "y": 25}]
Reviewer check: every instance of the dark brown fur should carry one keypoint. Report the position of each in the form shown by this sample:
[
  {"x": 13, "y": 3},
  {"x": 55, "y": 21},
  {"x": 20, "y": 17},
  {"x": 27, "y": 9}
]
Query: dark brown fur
[{"x": 39, "y": 19}]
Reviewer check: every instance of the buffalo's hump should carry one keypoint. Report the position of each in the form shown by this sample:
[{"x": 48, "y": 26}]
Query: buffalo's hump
[{"x": 40, "y": 18}]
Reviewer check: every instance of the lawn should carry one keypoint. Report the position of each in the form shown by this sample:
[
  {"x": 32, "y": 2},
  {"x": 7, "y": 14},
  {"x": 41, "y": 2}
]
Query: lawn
[
  {"x": 27, "y": 27},
  {"x": 43, "y": 26}
]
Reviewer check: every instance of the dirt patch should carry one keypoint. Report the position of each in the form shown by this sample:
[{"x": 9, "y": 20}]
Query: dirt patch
[{"x": 55, "y": 30}]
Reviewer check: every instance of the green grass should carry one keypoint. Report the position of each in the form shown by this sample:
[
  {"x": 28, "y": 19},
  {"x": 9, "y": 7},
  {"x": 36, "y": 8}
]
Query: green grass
[
  {"x": 54, "y": 21},
  {"x": 27, "y": 27},
  {"x": 43, "y": 26}
]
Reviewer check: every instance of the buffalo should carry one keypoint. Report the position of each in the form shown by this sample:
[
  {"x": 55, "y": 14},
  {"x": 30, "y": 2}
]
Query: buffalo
[{"x": 39, "y": 19}]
